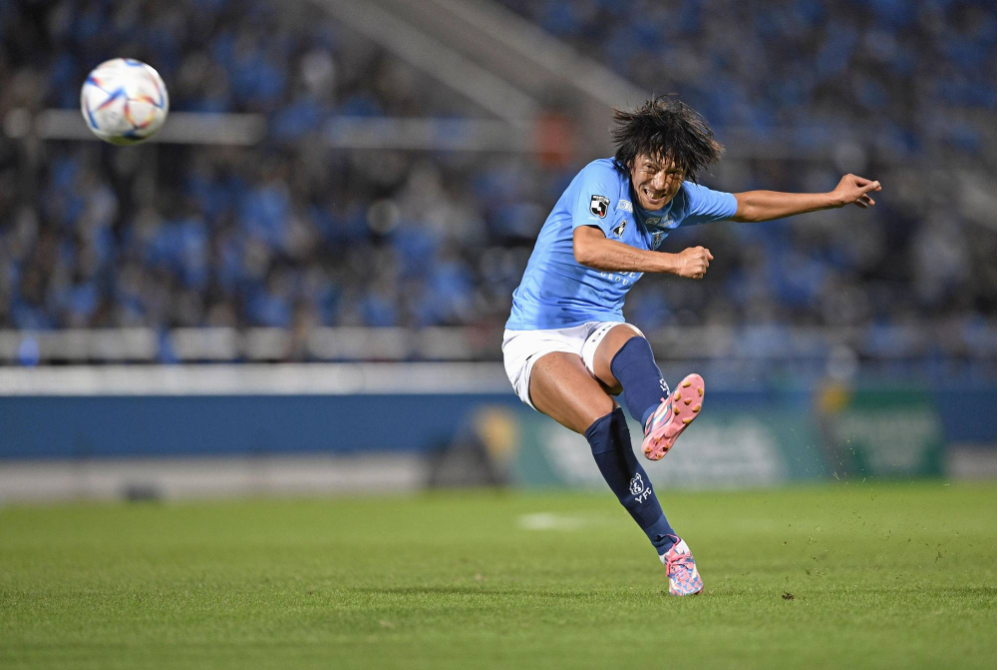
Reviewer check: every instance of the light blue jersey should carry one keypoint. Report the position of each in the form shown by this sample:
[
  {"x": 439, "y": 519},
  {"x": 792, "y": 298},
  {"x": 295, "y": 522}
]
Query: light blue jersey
[{"x": 557, "y": 291}]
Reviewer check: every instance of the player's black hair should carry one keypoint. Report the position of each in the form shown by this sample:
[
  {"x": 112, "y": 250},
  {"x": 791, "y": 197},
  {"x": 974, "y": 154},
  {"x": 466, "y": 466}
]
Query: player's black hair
[{"x": 667, "y": 128}]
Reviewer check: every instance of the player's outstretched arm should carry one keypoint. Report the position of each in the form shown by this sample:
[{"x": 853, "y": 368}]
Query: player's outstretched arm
[
  {"x": 594, "y": 250},
  {"x": 768, "y": 205}
]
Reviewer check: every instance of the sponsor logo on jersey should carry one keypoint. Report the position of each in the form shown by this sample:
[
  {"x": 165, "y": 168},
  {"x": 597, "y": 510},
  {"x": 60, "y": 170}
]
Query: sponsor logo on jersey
[
  {"x": 658, "y": 222},
  {"x": 618, "y": 230},
  {"x": 624, "y": 278},
  {"x": 598, "y": 205},
  {"x": 625, "y": 206}
]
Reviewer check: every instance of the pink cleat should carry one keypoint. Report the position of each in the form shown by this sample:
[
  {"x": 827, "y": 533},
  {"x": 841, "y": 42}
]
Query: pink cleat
[
  {"x": 672, "y": 417},
  {"x": 681, "y": 569}
]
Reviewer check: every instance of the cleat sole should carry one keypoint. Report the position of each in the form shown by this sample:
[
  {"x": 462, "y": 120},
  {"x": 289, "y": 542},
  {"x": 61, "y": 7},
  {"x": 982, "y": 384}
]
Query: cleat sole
[{"x": 663, "y": 436}]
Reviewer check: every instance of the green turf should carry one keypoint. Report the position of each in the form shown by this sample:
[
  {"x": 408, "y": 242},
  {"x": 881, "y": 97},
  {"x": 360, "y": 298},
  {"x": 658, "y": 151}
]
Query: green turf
[{"x": 886, "y": 576}]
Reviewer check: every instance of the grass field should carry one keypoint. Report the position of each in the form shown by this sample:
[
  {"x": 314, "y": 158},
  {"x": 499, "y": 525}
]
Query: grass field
[{"x": 851, "y": 575}]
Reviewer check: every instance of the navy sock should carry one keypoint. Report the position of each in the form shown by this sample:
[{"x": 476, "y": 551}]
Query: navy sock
[
  {"x": 644, "y": 388},
  {"x": 611, "y": 444}
]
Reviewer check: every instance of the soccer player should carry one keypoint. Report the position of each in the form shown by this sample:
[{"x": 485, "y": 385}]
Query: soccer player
[{"x": 566, "y": 348}]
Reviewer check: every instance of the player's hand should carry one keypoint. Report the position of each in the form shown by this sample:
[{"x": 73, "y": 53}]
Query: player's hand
[
  {"x": 693, "y": 262},
  {"x": 853, "y": 190}
]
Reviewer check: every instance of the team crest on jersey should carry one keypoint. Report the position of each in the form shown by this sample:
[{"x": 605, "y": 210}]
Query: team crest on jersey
[
  {"x": 618, "y": 230},
  {"x": 656, "y": 238},
  {"x": 598, "y": 205}
]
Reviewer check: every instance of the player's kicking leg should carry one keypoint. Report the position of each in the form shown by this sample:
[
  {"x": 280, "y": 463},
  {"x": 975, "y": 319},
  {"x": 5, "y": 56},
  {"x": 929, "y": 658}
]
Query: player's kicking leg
[
  {"x": 625, "y": 359},
  {"x": 562, "y": 388}
]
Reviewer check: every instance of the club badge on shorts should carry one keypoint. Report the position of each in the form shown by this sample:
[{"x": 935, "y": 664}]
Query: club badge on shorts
[{"x": 598, "y": 205}]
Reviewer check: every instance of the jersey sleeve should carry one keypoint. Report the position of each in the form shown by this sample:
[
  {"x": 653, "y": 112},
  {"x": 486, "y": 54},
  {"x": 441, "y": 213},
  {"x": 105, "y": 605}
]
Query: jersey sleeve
[
  {"x": 706, "y": 205},
  {"x": 596, "y": 198}
]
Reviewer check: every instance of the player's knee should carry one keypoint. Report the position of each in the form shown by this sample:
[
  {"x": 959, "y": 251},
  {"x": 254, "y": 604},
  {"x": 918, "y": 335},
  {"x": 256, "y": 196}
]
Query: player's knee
[
  {"x": 609, "y": 432},
  {"x": 596, "y": 419},
  {"x": 611, "y": 345},
  {"x": 617, "y": 338},
  {"x": 636, "y": 347}
]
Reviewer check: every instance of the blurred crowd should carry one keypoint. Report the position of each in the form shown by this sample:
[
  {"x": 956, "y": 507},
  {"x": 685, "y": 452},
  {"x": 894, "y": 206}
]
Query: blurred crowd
[
  {"x": 911, "y": 73},
  {"x": 295, "y": 234}
]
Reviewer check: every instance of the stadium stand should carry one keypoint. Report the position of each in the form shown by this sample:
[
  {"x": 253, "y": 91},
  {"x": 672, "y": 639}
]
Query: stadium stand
[{"x": 296, "y": 234}]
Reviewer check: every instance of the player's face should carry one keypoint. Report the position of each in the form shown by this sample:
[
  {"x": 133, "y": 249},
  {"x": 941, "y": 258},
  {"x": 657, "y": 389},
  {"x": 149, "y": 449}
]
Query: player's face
[{"x": 656, "y": 181}]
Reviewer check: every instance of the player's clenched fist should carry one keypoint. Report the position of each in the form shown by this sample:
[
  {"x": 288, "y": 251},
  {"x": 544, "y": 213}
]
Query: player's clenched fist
[
  {"x": 693, "y": 262},
  {"x": 853, "y": 190}
]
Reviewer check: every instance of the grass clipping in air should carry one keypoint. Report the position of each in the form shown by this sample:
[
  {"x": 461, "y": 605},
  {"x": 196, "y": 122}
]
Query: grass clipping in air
[{"x": 850, "y": 575}]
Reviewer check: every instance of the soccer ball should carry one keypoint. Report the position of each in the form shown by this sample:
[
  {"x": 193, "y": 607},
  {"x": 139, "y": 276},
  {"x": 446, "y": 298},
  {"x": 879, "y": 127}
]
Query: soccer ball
[{"x": 124, "y": 101}]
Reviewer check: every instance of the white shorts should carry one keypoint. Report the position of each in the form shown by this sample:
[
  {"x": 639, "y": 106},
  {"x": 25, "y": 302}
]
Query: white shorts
[{"x": 522, "y": 348}]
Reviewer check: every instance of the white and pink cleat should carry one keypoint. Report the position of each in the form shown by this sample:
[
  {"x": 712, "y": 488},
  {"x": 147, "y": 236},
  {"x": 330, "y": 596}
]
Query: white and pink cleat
[
  {"x": 681, "y": 569},
  {"x": 672, "y": 417}
]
